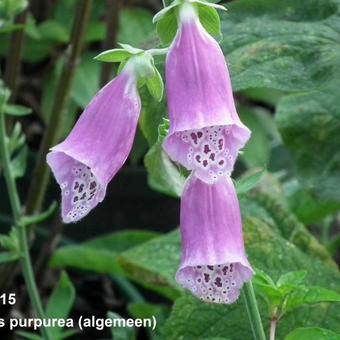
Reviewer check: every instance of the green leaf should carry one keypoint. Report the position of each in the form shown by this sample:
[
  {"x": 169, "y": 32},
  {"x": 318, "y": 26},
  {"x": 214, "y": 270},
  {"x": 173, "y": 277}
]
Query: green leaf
[
  {"x": 53, "y": 30},
  {"x": 19, "y": 162},
  {"x": 245, "y": 184},
  {"x": 38, "y": 218},
  {"x": 8, "y": 257},
  {"x": 99, "y": 254},
  {"x": 310, "y": 127},
  {"x": 282, "y": 44},
  {"x": 264, "y": 134},
  {"x": 155, "y": 85},
  {"x": 163, "y": 175},
  {"x": 306, "y": 207},
  {"x": 135, "y": 26},
  {"x": 210, "y": 19},
  {"x": 17, "y": 110},
  {"x": 120, "y": 333},
  {"x": 312, "y": 333},
  {"x": 115, "y": 55},
  {"x": 292, "y": 278},
  {"x": 60, "y": 302},
  {"x": 156, "y": 262},
  {"x": 309, "y": 295}
]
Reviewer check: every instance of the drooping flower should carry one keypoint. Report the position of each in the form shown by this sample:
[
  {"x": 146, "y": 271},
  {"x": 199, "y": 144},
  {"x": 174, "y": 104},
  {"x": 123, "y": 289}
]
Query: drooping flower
[
  {"x": 214, "y": 264},
  {"x": 206, "y": 133},
  {"x": 97, "y": 147}
]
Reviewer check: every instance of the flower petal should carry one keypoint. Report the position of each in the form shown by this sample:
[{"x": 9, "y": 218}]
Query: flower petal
[
  {"x": 214, "y": 264},
  {"x": 200, "y": 100},
  {"x": 97, "y": 147}
]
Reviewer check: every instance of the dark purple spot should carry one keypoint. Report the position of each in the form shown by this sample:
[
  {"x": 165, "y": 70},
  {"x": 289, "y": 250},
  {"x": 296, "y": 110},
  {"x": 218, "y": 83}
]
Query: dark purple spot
[
  {"x": 212, "y": 156},
  {"x": 83, "y": 196},
  {"x": 206, "y": 277},
  {"x": 221, "y": 162},
  {"x": 218, "y": 281},
  {"x": 75, "y": 198},
  {"x": 210, "y": 267},
  {"x": 220, "y": 144},
  {"x": 76, "y": 185},
  {"x": 93, "y": 185},
  {"x": 206, "y": 148},
  {"x": 199, "y": 267},
  {"x": 81, "y": 188},
  {"x": 225, "y": 270},
  {"x": 193, "y": 137},
  {"x": 205, "y": 163},
  {"x": 198, "y": 158},
  {"x": 199, "y": 134}
]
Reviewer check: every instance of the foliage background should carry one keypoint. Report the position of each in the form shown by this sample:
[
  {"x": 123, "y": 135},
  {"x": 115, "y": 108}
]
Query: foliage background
[{"x": 284, "y": 62}]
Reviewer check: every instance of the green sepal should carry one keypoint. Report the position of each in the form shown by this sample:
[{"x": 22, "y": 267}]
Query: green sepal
[
  {"x": 118, "y": 54},
  {"x": 167, "y": 24},
  {"x": 155, "y": 85},
  {"x": 17, "y": 110}
]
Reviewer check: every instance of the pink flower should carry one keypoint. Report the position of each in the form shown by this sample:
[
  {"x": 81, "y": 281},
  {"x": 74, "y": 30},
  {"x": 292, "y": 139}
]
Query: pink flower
[
  {"x": 214, "y": 265},
  {"x": 206, "y": 133},
  {"x": 97, "y": 147}
]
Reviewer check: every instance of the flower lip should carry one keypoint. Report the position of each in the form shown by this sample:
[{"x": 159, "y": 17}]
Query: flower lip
[
  {"x": 81, "y": 189},
  {"x": 210, "y": 151},
  {"x": 97, "y": 147},
  {"x": 216, "y": 283}
]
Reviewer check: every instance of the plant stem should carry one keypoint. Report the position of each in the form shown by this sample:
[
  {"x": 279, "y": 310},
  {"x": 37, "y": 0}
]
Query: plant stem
[
  {"x": 17, "y": 215},
  {"x": 41, "y": 175},
  {"x": 253, "y": 312},
  {"x": 14, "y": 55},
  {"x": 112, "y": 19},
  {"x": 273, "y": 325}
]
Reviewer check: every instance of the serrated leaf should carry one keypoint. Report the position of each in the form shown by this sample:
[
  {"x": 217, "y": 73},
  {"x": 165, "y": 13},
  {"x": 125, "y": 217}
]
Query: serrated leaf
[
  {"x": 17, "y": 110},
  {"x": 155, "y": 85},
  {"x": 312, "y": 333},
  {"x": 114, "y": 55},
  {"x": 282, "y": 44},
  {"x": 292, "y": 278},
  {"x": 310, "y": 125},
  {"x": 60, "y": 302},
  {"x": 309, "y": 295}
]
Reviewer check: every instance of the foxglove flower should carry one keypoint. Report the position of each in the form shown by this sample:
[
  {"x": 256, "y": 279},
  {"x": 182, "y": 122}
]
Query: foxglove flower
[
  {"x": 97, "y": 147},
  {"x": 206, "y": 133},
  {"x": 214, "y": 265}
]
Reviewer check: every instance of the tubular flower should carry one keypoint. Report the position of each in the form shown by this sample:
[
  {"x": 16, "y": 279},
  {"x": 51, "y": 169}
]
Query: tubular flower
[
  {"x": 97, "y": 147},
  {"x": 206, "y": 133},
  {"x": 214, "y": 265}
]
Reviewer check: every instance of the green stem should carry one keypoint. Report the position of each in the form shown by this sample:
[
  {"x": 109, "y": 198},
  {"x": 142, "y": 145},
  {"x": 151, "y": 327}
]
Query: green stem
[
  {"x": 17, "y": 215},
  {"x": 253, "y": 312},
  {"x": 30, "y": 280},
  {"x": 41, "y": 175}
]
